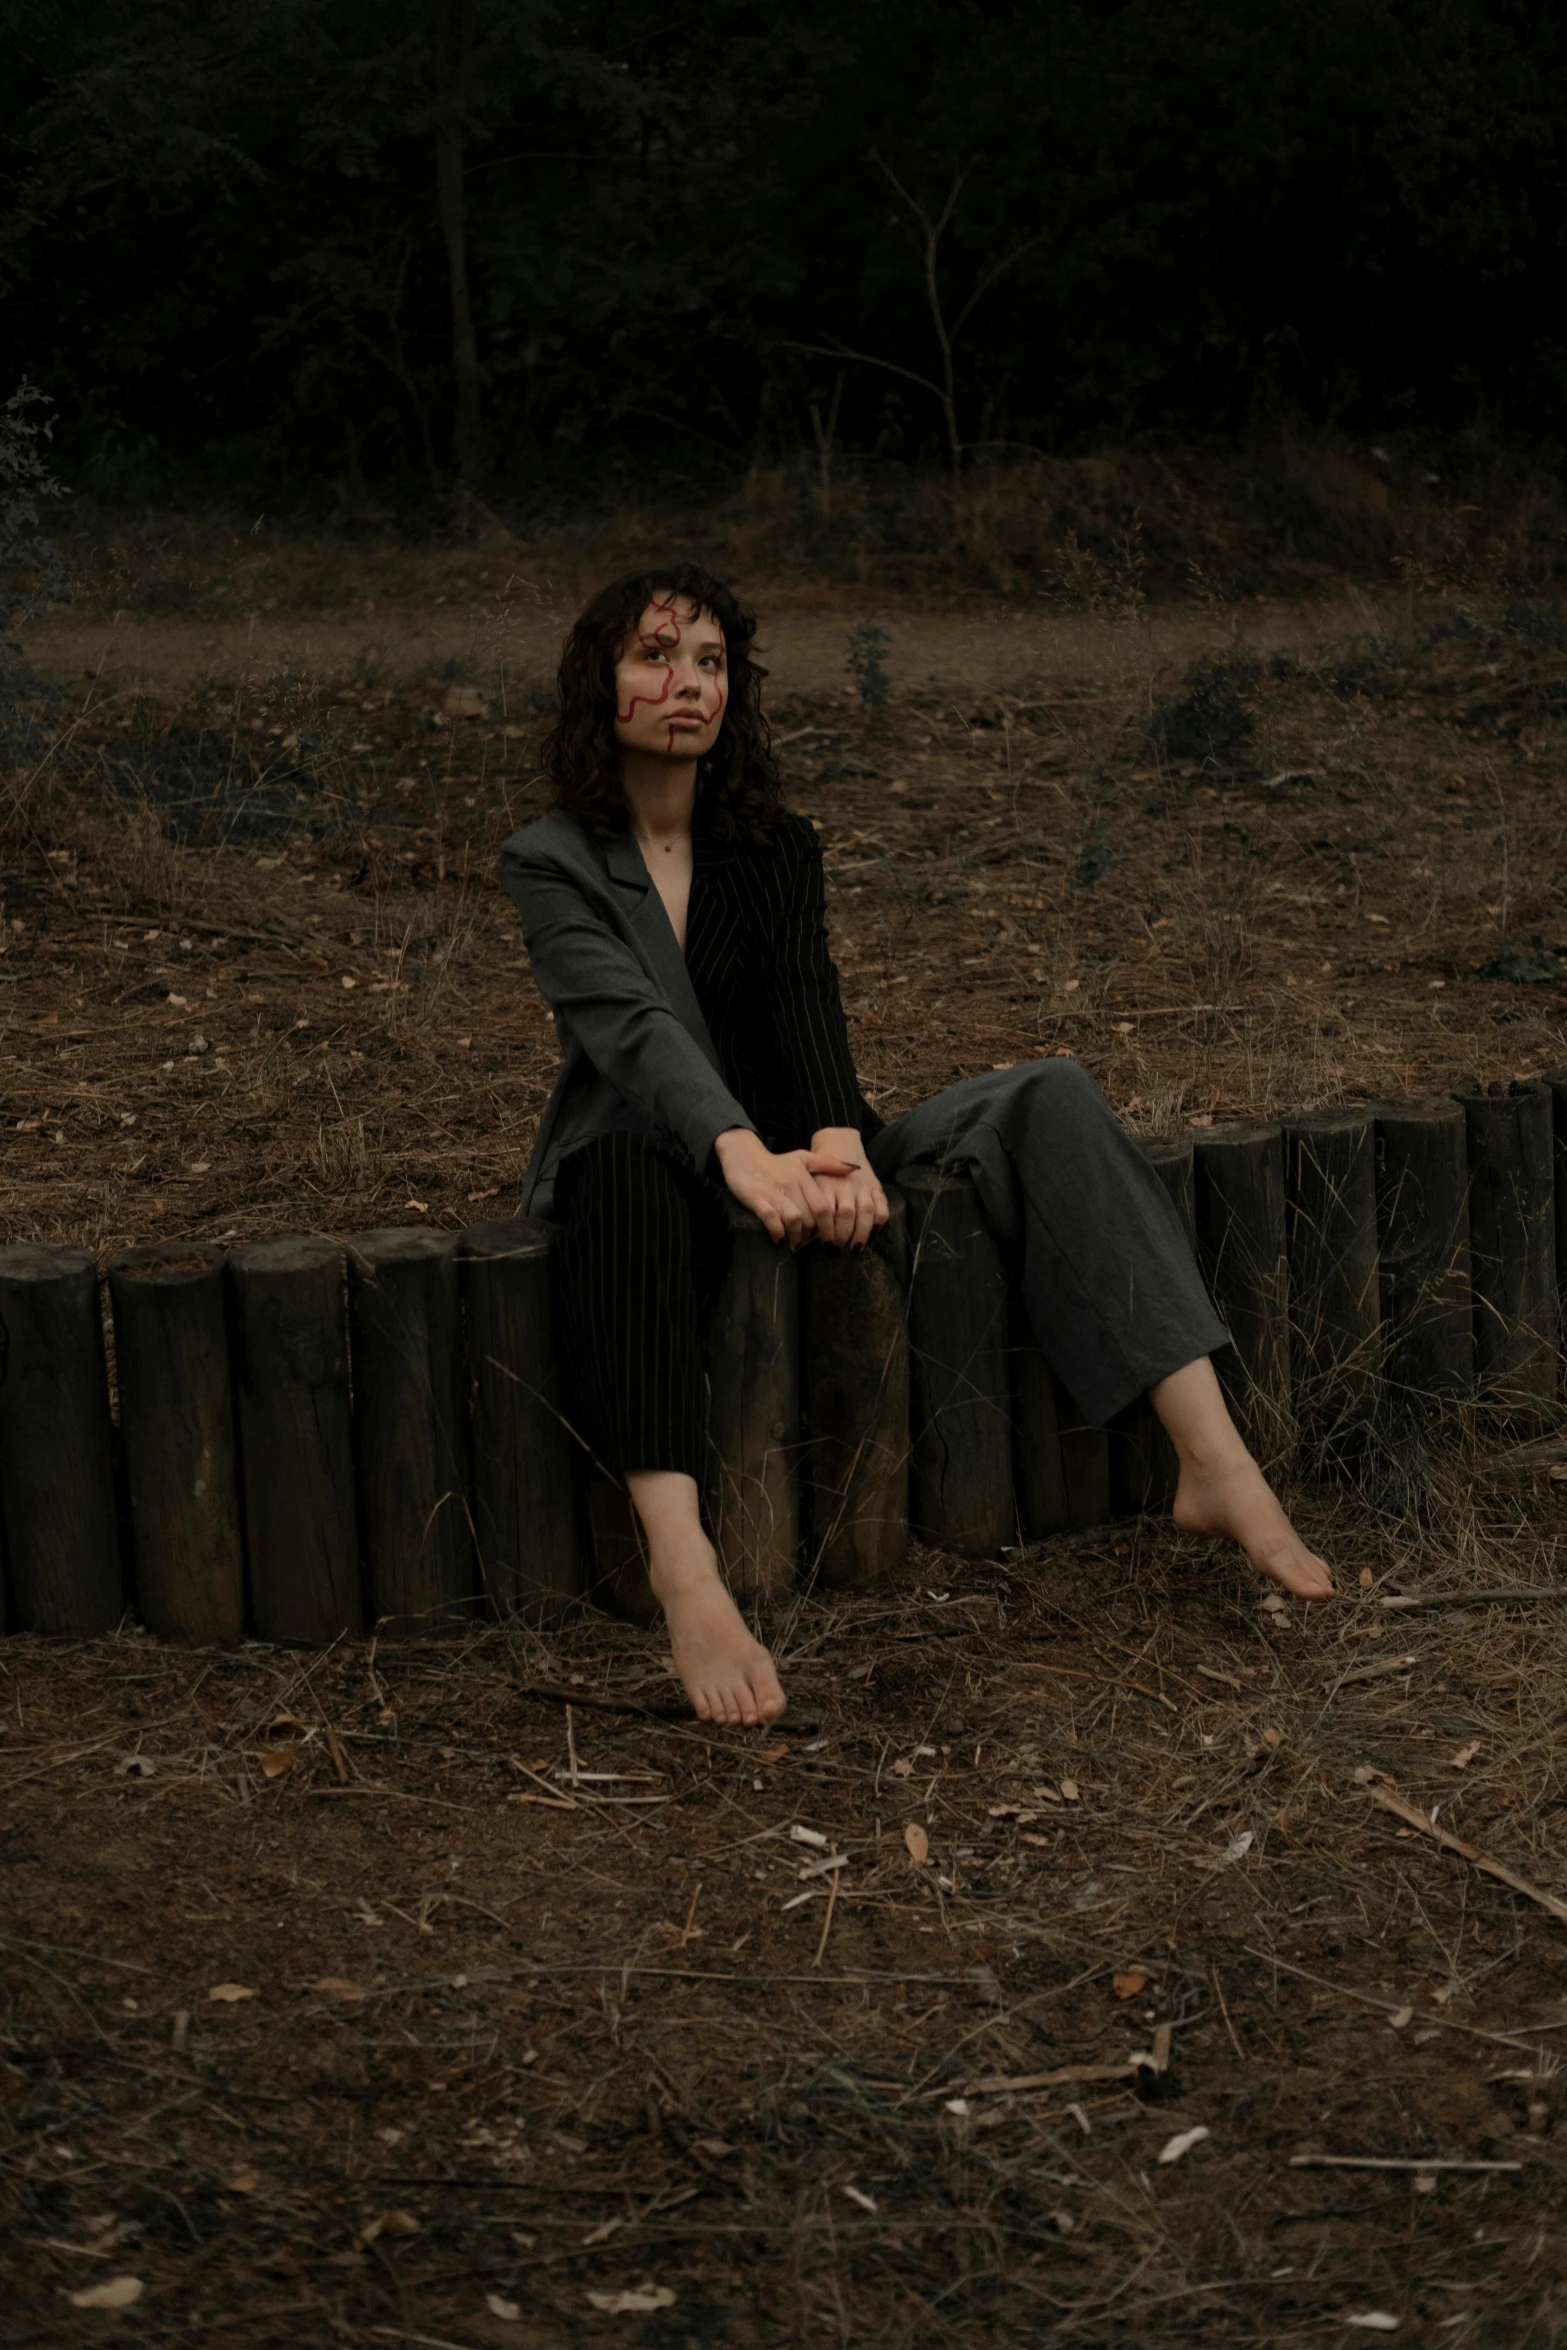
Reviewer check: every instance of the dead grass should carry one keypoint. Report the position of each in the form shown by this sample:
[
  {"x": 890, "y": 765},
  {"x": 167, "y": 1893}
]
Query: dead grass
[{"x": 519, "y": 2033}]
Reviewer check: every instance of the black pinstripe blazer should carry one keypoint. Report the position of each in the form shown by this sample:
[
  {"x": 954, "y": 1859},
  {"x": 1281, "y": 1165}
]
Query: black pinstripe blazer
[{"x": 638, "y": 1051}]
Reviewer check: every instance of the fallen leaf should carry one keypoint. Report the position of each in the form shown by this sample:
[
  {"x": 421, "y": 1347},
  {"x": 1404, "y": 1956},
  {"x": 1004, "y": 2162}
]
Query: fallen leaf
[
  {"x": 1238, "y": 1846},
  {"x": 917, "y": 1841},
  {"x": 1272, "y": 1737},
  {"x": 499, "y": 2306},
  {"x": 1182, "y": 2143},
  {"x": 390, "y": 2223},
  {"x": 1375, "y": 2321},
  {"x": 1400, "y": 2017},
  {"x": 113, "y": 2293},
  {"x": 1366, "y": 1578},
  {"x": 1466, "y": 1755},
  {"x": 341, "y": 1985},
  {"x": 772, "y": 1754},
  {"x": 246, "y": 2181},
  {"x": 634, "y": 2303},
  {"x": 135, "y": 1766},
  {"x": 903, "y": 1768},
  {"x": 1128, "y": 1985},
  {"x": 232, "y": 1993},
  {"x": 276, "y": 1764},
  {"x": 1069, "y": 1790}
]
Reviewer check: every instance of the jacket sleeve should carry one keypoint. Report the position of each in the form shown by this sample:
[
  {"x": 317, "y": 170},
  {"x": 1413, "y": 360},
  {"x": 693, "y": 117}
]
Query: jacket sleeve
[
  {"x": 599, "y": 991},
  {"x": 807, "y": 1007}
]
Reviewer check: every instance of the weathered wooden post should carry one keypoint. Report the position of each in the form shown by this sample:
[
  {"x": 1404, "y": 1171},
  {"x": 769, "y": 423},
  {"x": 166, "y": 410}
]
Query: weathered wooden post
[
  {"x": 1512, "y": 1245},
  {"x": 177, "y": 1439},
  {"x": 1557, "y": 1083},
  {"x": 1330, "y": 1205},
  {"x": 961, "y": 1496},
  {"x": 1241, "y": 1248},
  {"x": 527, "y": 1466},
  {"x": 854, "y": 1342},
  {"x": 753, "y": 1413},
  {"x": 1422, "y": 1186},
  {"x": 57, "y": 1506},
  {"x": 410, "y": 1432},
  {"x": 1039, "y": 1484},
  {"x": 289, "y": 1323}
]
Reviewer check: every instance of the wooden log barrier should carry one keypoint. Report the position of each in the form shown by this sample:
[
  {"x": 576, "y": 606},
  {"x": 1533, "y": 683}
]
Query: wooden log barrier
[
  {"x": 753, "y": 1413},
  {"x": 960, "y": 1400},
  {"x": 289, "y": 1348},
  {"x": 57, "y": 1502},
  {"x": 527, "y": 1466},
  {"x": 854, "y": 1351},
  {"x": 1422, "y": 1186},
  {"x": 1241, "y": 1248},
  {"x": 410, "y": 1433},
  {"x": 1330, "y": 1211},
  {"x": 177, "y": 1440},
  {"x": 1557, "y": 1084},
  {"x": 1512, "y": 1244}
]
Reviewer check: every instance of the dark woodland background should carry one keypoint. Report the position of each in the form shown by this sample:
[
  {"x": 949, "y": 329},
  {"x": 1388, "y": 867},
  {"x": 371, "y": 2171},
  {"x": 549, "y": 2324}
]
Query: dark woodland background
[{"x": 317, "y": 248}]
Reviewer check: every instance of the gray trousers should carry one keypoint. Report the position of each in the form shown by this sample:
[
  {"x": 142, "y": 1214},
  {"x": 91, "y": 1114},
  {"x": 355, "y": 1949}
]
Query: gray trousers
[{"x": 1107, "y": 1272}]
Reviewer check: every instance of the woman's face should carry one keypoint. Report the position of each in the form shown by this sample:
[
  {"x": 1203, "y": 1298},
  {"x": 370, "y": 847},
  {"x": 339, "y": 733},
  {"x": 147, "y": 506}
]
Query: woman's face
[{"x": 671, "y": 682}]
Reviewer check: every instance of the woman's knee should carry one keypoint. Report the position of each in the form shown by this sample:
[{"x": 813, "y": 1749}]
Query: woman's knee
[{"x": 1063, "y": 1087}]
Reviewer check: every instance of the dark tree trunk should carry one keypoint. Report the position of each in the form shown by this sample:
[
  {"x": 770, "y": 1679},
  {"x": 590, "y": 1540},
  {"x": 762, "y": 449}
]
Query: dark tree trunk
[
  {"x": 753, "y": 1414},
  {"x": 177, "y": 1439},
  {"x": 454, "y": 95},
  {"x": 410, "y": 1433},
  {"x": 57, "y": 1502},
  {"x": 290, "y": 1355},
  {"x": 527, "y": 1465},
  {"x": 1422, "y": 1186},
  {"x": 1240, "y": 1240},
  {"x": 961, "y": 1496},
  {"x": 1512, "y": 1244},
  {"x": 1336, "y": 1319},
  {"x": 855, "y": 1355}
]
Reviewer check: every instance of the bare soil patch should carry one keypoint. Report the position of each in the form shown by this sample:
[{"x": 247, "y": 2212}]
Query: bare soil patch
[{"x": 511, "y": 2040}]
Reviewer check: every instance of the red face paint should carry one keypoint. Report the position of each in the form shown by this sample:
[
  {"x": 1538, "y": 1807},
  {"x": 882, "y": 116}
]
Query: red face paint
[{"x": 667, "y": 635}]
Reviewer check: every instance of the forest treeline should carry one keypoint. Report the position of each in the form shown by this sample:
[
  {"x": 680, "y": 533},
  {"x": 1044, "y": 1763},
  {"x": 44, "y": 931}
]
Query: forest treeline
[{"x": 522, "y": 244}]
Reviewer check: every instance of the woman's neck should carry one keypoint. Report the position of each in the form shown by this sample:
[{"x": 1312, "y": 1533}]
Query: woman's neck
[{"x": 660, "y": 795}]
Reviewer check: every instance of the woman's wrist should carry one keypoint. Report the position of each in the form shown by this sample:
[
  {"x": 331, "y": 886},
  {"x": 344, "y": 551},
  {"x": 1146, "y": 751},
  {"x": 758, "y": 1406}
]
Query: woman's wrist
[{"x": 840, "y": 1142}]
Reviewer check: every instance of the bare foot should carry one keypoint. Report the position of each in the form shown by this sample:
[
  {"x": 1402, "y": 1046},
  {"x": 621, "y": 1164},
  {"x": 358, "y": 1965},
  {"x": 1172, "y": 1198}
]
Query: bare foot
[
  {"x": 1233, "y": 1497},
  {"x": 728, "y": 1676}
]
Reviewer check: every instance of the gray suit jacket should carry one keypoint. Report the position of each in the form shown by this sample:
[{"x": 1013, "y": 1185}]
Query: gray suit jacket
[{"x": 635, "y": 1053}]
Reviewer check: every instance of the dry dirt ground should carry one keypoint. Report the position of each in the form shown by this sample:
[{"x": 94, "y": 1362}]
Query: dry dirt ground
[{"x": 471, "y": 1994}]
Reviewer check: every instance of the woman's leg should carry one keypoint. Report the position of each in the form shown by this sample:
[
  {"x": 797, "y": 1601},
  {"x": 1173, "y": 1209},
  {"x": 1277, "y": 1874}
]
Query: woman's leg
[
  {"x": 639, "y": 1252},
  {"x": 727, "y": 1675},
  {"x": 1222, "y": 1490},
  {"x": 1110, "y": 1282}
]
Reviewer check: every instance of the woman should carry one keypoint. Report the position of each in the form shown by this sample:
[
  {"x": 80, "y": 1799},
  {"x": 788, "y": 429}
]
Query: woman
[{"x": 675, "y": 922}]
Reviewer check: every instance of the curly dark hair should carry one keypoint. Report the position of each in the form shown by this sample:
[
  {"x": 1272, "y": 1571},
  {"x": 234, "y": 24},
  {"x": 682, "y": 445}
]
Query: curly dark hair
[{"x": 737, "y": 783}]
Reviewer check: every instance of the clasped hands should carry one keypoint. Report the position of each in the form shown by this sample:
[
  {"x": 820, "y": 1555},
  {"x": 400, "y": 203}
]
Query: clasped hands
[{"x": 828, "y": 1192}]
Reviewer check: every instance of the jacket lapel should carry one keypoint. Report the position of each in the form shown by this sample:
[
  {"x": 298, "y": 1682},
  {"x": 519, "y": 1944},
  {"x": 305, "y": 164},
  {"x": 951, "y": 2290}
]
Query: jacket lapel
[{"x": 649, "y": 926}]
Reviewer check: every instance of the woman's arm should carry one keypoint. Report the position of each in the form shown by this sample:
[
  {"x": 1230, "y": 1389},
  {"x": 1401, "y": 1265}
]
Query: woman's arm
[{"x": 596, "y": 987}]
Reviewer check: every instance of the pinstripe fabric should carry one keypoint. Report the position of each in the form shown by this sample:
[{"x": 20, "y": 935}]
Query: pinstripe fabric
[
  {"x": 641, "y": 1250},
  {"x": 756, "y": 949}
]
